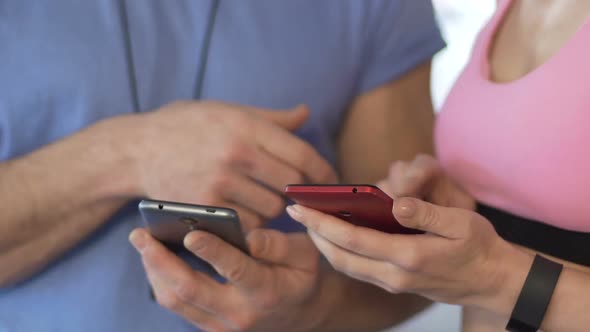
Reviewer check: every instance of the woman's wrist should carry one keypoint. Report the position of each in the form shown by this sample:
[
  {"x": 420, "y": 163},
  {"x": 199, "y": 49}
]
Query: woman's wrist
[{"x": 510, "y": 278}]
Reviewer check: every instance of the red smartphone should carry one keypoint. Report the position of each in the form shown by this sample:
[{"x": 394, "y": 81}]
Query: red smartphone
[{"x": 363, "y": 205}]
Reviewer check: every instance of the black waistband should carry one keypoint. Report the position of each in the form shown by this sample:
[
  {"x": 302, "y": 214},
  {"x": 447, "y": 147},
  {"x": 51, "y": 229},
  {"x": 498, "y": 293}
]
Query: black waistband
[{"x": 567, "y": 245}]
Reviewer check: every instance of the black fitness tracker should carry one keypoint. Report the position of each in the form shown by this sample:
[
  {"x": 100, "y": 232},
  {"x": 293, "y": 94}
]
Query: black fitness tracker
[{"x": 535, "y": 296}]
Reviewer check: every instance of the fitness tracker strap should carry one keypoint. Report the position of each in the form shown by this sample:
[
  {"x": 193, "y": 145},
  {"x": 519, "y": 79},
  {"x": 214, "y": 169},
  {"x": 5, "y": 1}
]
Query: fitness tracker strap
[{"x": 535, "y": 296}]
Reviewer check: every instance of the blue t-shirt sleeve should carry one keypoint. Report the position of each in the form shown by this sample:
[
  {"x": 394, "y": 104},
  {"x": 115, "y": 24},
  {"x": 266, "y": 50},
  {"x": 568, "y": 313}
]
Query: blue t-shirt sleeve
[{"x": 401, "y": 35}]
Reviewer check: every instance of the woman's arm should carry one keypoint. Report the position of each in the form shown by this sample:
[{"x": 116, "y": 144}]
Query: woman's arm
[
  {"x": 568, "y": 309},
  {"x": 459, "y": 260}
]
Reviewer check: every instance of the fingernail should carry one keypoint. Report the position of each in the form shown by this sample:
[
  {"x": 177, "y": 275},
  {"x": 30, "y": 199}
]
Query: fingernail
[
  {"x": 194, "y": 243},
  {"x": 295, "y": 212},
  {"x": 138, "y": 240},
  {"x": 405, "y": 207}
]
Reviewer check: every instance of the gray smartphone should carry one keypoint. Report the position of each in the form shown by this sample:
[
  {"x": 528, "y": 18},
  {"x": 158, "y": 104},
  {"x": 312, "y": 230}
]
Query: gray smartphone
[{"x": 169, "y": 222}]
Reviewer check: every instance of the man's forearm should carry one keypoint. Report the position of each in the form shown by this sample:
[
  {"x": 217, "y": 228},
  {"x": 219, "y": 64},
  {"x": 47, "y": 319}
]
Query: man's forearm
[
  {"x": 390, "y": 123},
  {"x": 55, "y": 196},
  {"x": 344, "y": 304},
  {"x": 31, "y": 255}
]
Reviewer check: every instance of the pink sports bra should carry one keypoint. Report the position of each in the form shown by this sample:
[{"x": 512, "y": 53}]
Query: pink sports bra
[{"x": 523, "y": 146}]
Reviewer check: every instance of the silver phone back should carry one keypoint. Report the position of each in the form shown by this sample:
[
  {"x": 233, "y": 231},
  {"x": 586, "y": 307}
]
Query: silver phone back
[{"x": 169, "y": 222}]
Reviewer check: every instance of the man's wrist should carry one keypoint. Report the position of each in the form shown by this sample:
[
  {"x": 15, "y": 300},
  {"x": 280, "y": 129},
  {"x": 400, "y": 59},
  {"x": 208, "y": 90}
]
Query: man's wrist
[
  {"x": 345, "y": 304},
  {"x": 119, "y": 146},
  {"x": 319, "y": 310}
]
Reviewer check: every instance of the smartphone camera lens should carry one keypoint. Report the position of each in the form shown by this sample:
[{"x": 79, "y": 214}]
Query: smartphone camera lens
[
  {"x": 344, "y": 214},
  {"x": 354, "y": 190},
  {"x": 190, "y": 222}
]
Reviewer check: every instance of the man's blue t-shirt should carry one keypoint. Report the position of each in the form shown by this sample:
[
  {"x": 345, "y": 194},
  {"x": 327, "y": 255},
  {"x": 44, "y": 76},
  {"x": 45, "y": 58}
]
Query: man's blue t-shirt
[{"x": 66, "y": 64}]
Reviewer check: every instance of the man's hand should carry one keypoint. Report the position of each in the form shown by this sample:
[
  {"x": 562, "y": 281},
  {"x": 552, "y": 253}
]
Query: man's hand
[
  {"x": 227, "y": 155},
  {"x": 265, "y": 295}
]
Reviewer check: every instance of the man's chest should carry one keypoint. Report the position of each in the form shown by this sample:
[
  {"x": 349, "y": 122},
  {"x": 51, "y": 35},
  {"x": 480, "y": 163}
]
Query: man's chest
[{"x": 69, "y": 64}]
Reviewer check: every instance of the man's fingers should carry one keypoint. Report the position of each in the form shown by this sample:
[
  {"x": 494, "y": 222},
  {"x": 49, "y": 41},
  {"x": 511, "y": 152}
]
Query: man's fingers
[
  {"x": 300, "y": 155},
  {"x": 235, "y": 266},
  {"x": 295, "y": 152},
  {"x": 274, "y": 131},
  {"x": 289, "y": 120},
  {"x": 294, "y": 250},
  {"x": 169, "y": 299},
  {"x": 253, "y": 196},
  {"x": 266, "y": 168},
  {"x": 188, "y": 285},
  {"x": 248, "y": 219}
]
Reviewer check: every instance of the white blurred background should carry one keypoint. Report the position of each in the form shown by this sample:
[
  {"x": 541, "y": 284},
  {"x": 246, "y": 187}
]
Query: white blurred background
[{"x": 460, "y": 22}]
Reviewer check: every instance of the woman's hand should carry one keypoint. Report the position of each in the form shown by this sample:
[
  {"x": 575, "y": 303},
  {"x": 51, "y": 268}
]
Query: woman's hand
[
  {"x": 460, "y": 259},
  {"x": 423, "y": 178}
]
